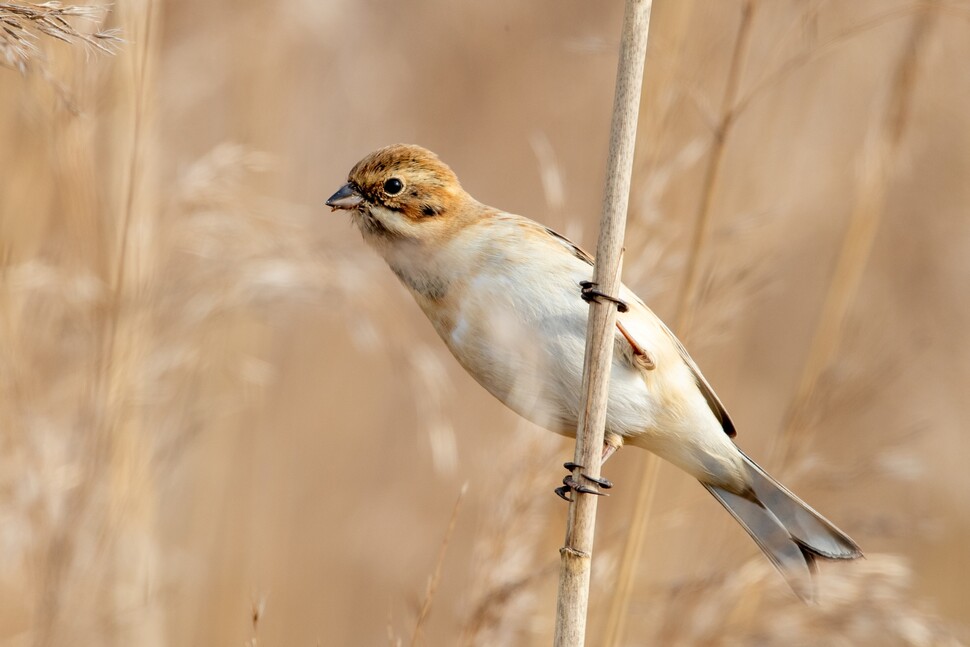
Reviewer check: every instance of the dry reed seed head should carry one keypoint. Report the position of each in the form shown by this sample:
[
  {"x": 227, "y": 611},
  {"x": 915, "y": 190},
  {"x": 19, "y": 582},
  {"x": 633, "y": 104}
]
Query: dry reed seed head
[
  {"x": 226, "y": 233},
  {"x": 22, "y": 24},
  {"x": 219, "y": 176},
  {"x": 865, "y": 602},
  {"x": 40, "y": 279},
  {"x": 509, "y": 552}
]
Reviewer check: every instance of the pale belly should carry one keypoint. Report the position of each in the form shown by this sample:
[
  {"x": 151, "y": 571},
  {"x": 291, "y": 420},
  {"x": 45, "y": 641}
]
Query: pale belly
[
  {"x": 542, "y": 381},
  {"x": 529, "y": 354}
]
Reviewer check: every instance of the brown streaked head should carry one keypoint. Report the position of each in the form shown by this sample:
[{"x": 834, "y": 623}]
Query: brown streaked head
[{"x": 398, "y": 187}]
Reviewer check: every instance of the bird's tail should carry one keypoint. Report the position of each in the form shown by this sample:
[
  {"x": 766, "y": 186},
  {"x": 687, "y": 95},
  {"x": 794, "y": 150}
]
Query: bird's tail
[{"x": 788, "y": 530}]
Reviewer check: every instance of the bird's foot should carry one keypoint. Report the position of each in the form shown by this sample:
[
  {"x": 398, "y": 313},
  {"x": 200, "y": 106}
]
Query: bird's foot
[
  {"x": 603, "y": 483},
  {"x": 590, "y": 293},
  {"x": 571, "y": 484}
]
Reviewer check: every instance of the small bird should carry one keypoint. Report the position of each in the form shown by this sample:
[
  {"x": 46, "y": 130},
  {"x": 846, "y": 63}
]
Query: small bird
[{"x": 508, "y": 297}]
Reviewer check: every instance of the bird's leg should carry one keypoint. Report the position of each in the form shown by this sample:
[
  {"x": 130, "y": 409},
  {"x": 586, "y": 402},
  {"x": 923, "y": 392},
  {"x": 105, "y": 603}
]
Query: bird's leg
[
  {"x": 608, "y": 450},
  {"x": 590, "y": 293},
  {"x": 570, "y": 483}
]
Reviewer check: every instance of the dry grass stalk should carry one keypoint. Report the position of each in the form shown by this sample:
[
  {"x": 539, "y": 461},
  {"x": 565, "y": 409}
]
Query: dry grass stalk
[
  {"x": 842, "y": 37},
  {"x": 425, "y": 609},
  {"x": 632, "y": 550},
  {"x": 113, "y": 486},
  {"x": 509, "y": 553},
  {"x": 881, "y": 149},
  {"x": 21, "y": 24},
  {"x": 140, "y": 88},
  {"x": 686, "y": 305},
  {"x": 127, "y": 333},
  {"x": 576, "y": 553}
]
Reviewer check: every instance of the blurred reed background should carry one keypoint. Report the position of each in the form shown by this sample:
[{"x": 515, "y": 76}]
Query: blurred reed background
[{"x": 223, "y": 422}]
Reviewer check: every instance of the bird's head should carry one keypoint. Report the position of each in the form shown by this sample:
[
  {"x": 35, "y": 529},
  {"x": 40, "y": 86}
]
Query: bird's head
[{"x": 402, "y": 191}]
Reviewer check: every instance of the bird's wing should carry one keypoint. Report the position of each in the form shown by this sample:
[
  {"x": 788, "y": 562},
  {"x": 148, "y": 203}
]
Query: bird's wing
[
  {"x": 707, "y": 390},
  {"x": 640, "y": 354},
  {"x": 640, "y": 324},
  {"x": 641, "y": 351},
  {"x": 573, "y": 248}
]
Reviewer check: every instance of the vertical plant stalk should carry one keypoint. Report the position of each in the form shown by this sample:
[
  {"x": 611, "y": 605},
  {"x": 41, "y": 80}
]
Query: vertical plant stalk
[
  {"x": 425, "y": 610},
  {"x": 576, "y": 554},
  {"x": 121, "y": 442},
  {"x": 643, "y": 506},
  {"x": 96, "y": 412},
  {"x": 712, "y": 175},
  {"x": 134, "y": 164},
  {"x": 880, "y": 150},
  {"x": 117, "y": 276}
]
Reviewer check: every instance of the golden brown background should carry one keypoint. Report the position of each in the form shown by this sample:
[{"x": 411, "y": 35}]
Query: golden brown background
[{"x": 223, "y": 422}]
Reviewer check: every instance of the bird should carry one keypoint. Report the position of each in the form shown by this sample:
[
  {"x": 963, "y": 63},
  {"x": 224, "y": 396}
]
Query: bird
[{"x": 508, "y": 296}]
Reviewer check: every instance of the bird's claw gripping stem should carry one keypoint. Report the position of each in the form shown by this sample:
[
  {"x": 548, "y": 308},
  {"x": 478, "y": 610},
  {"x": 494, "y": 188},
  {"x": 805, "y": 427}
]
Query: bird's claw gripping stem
[
  {"x": 590, "y": 293},
  {"x": 569, "y": 483}
]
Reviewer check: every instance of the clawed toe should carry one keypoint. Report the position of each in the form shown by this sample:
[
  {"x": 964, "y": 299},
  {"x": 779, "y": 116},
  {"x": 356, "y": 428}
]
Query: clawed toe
[
  {"x": 563, "y": 492},
  {"x": 569, "y": 483},
  {"x": 590, "y": 293},
  {"x": 606, "y": 484}
]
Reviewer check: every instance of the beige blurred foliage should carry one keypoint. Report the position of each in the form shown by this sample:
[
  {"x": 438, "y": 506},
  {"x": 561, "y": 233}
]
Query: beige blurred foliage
[{"x": 223, "y": 422}]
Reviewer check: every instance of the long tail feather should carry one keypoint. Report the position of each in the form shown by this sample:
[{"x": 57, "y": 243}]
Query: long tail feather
[
  {"x": 811, "y": 530},
  {"x": 792, "y": 561},
  {"x": 789, "y": 532}
]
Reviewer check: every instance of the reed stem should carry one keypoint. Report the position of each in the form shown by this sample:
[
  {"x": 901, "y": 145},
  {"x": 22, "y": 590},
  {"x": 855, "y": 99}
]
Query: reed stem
[{"x": 576, "y": 554}]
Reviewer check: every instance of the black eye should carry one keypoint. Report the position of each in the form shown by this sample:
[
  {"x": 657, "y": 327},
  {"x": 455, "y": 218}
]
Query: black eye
[{"x": 393, "y": 186}]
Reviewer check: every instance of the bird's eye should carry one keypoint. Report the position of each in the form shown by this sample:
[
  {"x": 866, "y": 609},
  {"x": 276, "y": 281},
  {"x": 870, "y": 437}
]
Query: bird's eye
[{"x": 393, "y": 186}]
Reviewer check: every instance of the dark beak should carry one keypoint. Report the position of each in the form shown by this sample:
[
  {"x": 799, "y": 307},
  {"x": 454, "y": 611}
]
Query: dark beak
[{"x": 345, "y": 198}]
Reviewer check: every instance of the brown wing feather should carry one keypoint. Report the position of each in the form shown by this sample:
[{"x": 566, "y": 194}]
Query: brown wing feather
[
  {"x": 573, "y": 248},
  {"x": 706, "y": 389}
]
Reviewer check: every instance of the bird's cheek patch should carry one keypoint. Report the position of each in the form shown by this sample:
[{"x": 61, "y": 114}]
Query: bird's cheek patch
[{"x": 401, "y": 223}]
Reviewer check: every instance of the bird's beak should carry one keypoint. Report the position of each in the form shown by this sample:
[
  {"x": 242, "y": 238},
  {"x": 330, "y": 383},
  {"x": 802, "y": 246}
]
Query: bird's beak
[{"x": 345, "y": 198}]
